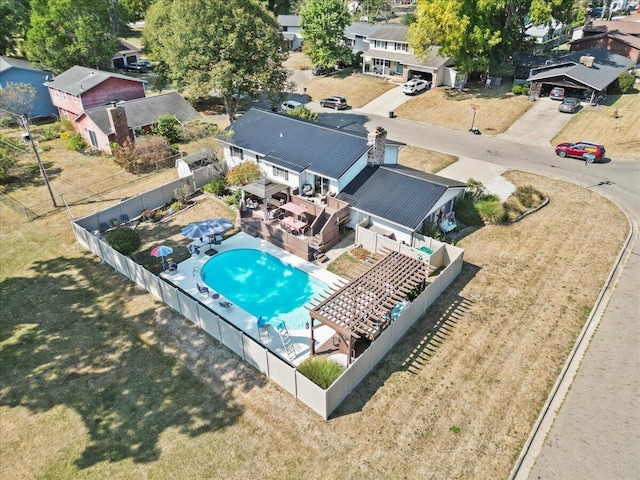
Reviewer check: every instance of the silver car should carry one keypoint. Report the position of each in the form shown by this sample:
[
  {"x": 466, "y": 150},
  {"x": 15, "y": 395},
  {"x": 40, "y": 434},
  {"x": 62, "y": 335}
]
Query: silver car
[{"x": 569, "y": 105}]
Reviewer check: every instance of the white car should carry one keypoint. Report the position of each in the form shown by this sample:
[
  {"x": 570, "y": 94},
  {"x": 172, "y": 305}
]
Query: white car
[
  {"x": 414, "y": 86},
  {"x": 289, "y": 105}
]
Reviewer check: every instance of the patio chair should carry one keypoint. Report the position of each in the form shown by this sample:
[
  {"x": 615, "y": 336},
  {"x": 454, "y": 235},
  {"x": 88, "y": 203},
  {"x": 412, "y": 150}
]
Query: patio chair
[
  {"x": 125, "y": 218},
  {"x": 217, "y": 239},
  {"x": 225, "y": 304},
  {"x": 307, "y": 190},
  {"x": 114, "y": 222},
  {"x": 193, "y": 250},
  {"x": 104, "y": 226},
  {"x": 202, "y": 289},
  {"x": 173, "y": 268}
]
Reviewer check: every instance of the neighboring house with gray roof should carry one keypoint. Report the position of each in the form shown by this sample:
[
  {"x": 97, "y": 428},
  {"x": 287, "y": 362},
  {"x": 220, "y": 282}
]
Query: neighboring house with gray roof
[
  {"x": 291, "y": 31},
  {"x": 582, "y": 73},
  {"x": 357, "y": 166},
  {"x": 81, "y": 88},
  {"x": 16, "y": 70},
  {"x": 127, "y": 54},
  {"x": 389, "y": 54},
  {"x": 117, "y": 122},
  {"x": 357, "y": 36}
]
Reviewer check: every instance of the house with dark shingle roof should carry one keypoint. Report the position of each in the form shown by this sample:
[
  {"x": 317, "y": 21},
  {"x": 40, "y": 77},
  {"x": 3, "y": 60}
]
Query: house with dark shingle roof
[
  {"x": 82, "y": 88},
  {"x": 582, "y": 73},
  {"x": 357, "y": 167},
  {"x": 16, "y": 70},
  {"x": 389, "y": 54},
  {"x": 117, "y": 122}
]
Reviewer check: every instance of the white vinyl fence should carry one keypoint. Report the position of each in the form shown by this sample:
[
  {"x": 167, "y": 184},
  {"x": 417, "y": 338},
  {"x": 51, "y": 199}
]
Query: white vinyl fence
[{"x": 323, "y": 402}]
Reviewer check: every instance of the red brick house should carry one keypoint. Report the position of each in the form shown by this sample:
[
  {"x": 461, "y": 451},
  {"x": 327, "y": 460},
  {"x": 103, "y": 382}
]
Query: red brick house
[
  {"x": 80, "y": 88},
  {"x": 118, "y": 122},
  {"x": 618, "y": 36}
]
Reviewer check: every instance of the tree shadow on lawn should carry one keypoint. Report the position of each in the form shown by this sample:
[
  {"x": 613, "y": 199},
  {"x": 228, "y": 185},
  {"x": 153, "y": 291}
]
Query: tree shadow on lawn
[
  {"x": 420, "y": 341},
  {"x": 27, "y": 174},
  {"x": 67, "y": 340},
  {"x": 474, "y": 91}
]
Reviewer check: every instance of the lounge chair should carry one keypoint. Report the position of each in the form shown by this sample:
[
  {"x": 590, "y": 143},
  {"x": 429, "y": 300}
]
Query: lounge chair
[
  {"x": 225, "y": 304},
  {"x": 202, "y": 289}
]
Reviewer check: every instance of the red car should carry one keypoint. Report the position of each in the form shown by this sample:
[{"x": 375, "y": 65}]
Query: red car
[
  {"x": 580, "y": 149},
  {"x": 557, "y": 93}
]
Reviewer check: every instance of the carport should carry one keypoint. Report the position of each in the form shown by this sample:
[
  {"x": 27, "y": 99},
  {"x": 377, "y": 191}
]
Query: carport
[{"x": 580, "y": 73}]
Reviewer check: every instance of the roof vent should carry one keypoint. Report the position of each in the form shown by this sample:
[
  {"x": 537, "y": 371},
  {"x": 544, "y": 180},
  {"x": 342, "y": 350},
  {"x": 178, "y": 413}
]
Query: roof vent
[{"x": 587, "y": 60}]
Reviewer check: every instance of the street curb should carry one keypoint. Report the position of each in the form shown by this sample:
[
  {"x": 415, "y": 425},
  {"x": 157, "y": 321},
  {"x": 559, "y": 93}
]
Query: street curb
[{"x": 532, "y": 447}]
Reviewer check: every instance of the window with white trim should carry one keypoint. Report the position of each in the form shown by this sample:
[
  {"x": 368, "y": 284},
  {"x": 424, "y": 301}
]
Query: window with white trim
[
  {"x": 237, "y": 152},
  {"x": 57, "y": 93},
  {"x": 400, "y": 47},
  {"x": 93, "y": 138},
  {"x": 74, "y": 98},
  {"x": 380, "y": 62},
  {"x": 381, "y": 44},
  {"x": 64, "y": 95},
  {"x": 280, "y": 172}
]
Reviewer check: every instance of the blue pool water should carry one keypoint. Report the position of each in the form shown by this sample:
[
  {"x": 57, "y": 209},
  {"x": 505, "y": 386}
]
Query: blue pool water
[{"x": 263, "y": 285}]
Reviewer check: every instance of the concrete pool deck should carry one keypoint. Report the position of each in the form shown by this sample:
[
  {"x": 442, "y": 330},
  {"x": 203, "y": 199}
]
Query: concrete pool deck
[{"x": 188, "y": 275}]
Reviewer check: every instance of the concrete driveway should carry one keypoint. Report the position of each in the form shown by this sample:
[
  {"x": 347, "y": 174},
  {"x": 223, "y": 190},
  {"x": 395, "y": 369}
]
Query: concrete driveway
[
  {"x": 385, "y": 103},
  {"x": 538, "y": 125}
]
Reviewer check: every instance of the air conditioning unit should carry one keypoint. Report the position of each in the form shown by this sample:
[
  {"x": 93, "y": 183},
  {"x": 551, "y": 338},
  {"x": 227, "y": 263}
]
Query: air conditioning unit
[{"x": 587, "y": 60}]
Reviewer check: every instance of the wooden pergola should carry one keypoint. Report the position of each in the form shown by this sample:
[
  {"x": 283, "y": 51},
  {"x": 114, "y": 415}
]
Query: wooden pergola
[{"x": 362, "y": 308}]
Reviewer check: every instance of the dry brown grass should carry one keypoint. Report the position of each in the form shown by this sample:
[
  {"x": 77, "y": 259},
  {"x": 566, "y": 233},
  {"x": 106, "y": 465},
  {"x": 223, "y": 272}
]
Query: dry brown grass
[
  {"x": 357, "y": 90},
  {"x": 621, "y": 136},
  {"x": 426, "y": 160},
  {"x": 298, "y": 61},
  {"x": 482, "y": 359},
  {"x": 498, "y": 108}
]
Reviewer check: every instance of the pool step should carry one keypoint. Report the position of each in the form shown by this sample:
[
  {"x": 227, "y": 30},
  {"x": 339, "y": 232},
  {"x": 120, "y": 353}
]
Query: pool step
[{"x": 283, "y": 331}]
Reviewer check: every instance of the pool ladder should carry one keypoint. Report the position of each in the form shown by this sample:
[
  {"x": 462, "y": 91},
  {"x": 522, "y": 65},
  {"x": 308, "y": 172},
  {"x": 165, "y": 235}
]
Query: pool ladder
[
  {"x": 197, "y": 270},
  {"x": 283, "y": 331}
]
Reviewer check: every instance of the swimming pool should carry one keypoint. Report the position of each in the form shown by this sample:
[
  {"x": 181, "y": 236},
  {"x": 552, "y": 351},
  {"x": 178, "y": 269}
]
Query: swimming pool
[{"x": 263, "y": 285}]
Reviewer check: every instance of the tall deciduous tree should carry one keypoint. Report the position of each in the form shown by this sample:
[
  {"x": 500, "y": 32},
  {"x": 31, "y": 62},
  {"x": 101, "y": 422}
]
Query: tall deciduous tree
[
  {"x": 234, "y": 48},
  {"x": 478, "y": 34},
  {"x": 14, "y": 18},
  {"x": 17, "y": 99},
  {"x": 323, "y": 23},
  {"x": 278, "y": 7},
  {"x": 64, "y": 33}
]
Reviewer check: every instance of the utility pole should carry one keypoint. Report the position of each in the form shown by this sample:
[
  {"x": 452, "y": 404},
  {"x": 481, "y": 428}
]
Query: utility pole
[{"x": 25, "y": 124}]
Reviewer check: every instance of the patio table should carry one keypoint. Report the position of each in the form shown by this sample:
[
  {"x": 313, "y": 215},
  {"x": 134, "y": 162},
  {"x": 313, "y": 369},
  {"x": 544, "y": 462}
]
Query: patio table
[{"x": 295, "y": 225}]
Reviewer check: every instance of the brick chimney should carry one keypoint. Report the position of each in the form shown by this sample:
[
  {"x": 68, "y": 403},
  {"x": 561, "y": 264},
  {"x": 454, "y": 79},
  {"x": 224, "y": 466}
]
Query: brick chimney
[
  {"x": 377, "y": 140},
  {"x": 118, "y": 121}
]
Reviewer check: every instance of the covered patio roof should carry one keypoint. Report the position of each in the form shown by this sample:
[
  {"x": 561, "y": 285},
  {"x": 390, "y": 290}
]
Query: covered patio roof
[
  {"x": 264, "y": 188},
  {"x": 361, "y": 308}
]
